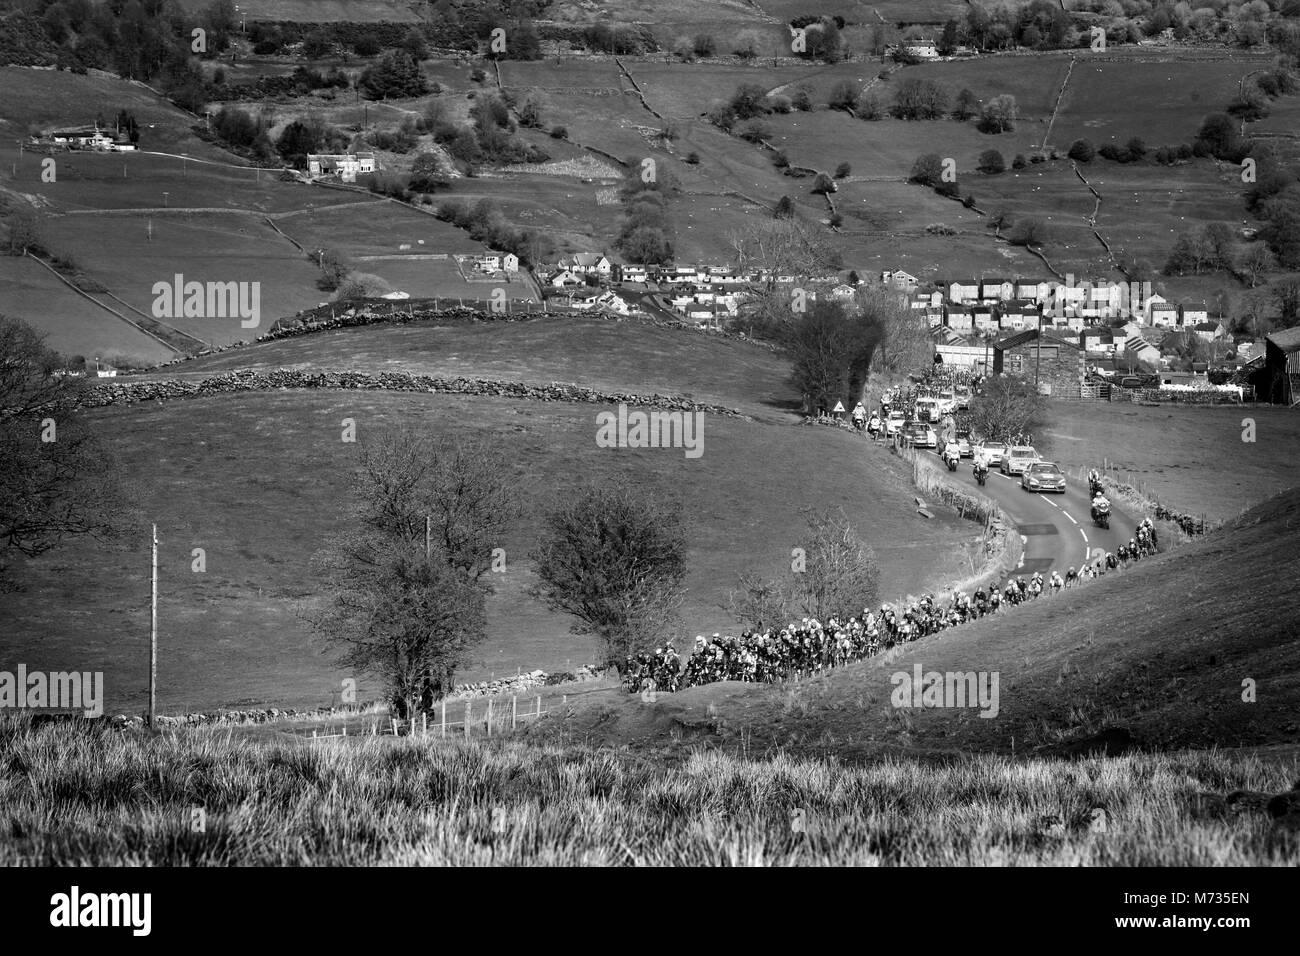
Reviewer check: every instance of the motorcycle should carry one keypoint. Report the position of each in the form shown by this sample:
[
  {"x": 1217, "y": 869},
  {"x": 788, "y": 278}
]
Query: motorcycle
[
  {"x": 952, "y": 463},
  {"x": 1101, "y": 517},
  {"x": 982, "y": 476}
]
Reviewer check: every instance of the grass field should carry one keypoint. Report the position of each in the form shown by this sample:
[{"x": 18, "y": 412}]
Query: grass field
[
  {"x": 127, "y": 800},
  {"x": 72, "y": 325},
  {"x": 321, "y": 11},
  {"x": 604, "y": 354},
  {"x": 44, "y": 98},
  {"x": 1192, "y": 459},
  {"x": 260, "y": 481},
  {"x": 203, "y": 248}
]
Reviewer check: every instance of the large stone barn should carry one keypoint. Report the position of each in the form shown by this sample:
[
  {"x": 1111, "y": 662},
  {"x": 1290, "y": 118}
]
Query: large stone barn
[
  {"x": 1279, "y": 380},
  {"x": 1055, "y": 364}
]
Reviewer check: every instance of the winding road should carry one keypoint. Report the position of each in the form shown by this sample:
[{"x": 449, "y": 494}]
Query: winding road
[{"x": 1057, "y": 529}]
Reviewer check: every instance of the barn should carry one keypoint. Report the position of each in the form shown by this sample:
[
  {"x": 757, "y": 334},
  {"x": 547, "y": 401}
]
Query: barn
[
  {"x": 1279, "y": 382},
  {"x": 1055, "y": 364}
]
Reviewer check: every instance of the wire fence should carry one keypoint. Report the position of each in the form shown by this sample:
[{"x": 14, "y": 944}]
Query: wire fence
[{"x": 483, "y": 716}]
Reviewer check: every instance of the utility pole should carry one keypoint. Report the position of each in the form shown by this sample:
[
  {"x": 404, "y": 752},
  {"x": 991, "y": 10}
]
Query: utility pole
[
  {"x": 153, "y": 634},
  {"x": 1038, "y": 356}
]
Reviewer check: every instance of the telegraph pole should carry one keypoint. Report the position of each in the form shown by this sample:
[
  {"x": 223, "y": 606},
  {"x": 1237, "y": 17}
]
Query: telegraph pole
[{"x": 153, "y": 635}]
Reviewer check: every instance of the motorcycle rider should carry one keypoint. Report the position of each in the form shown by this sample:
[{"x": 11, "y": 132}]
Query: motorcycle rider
[
  {"x": 951, "y": 453},
  {"x": 980, "y": 467},
  {"x": 1100, "y": 504}
]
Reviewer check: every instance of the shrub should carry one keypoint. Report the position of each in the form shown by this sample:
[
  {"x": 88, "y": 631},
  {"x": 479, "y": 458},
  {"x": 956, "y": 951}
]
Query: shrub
[
  {"x": 1081, "y": 150},
  {"x": 992, "y": 162}
]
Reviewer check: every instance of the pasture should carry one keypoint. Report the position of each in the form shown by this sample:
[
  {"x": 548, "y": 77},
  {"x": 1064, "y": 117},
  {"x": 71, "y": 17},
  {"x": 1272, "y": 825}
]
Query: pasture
[
  {"x": 43, "y": 98},
  {"x": 321, "y": 11},
  {"x": 1191, "y": 459},
  {"x": 71, "y": 324},
  {"x": 202, "y": 247},
  {"x": 261, "y": 481},
  {"x": 604, "y": 354}
]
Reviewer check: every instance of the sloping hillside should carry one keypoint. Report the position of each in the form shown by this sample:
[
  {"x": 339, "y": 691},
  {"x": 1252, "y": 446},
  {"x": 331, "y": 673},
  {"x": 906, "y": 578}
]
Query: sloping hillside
[
  {"x": 1160, "y": 650},
  {"x": 604, "y": 354}
]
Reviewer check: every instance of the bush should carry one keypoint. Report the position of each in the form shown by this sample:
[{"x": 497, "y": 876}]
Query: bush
[
  {"x": 692, "y": 158},
  {"x": 1019, "y": 161},
  {"x": 842, "y": 170},
  {"x": 992, "y": 162},
  {"x": 1081, "y": 150}
]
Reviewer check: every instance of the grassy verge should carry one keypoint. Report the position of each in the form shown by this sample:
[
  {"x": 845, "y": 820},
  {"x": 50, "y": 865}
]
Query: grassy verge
[{"x": 78, "y": 797}]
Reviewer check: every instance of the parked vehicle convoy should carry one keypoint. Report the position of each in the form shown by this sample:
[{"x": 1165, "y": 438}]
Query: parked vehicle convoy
[
  {"x": 991, "y": 452},
  {"x": 1043, "y": 476},
  {"x": 1018, "y": 458}
]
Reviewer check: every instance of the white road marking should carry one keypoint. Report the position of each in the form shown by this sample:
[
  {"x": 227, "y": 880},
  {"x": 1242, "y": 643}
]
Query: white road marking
[
  {"x": 1084, "y": 533},
  {"x": 1068, "y": 515}
]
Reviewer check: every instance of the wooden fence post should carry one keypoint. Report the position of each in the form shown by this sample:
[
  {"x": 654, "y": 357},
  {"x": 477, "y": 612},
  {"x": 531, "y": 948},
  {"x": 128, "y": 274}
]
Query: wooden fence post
[
  {"x": 424, "y": 725},
  {"x": 345, "y": 730},
  {"x": 467, "y": 710},
  {"x": 444, "y": 718},
  {"x": 539, "y": 705},
  {"x": 394, "y": 726},
  {"x": 489, "y": 717},
  {"x": 514, "y": 712}
]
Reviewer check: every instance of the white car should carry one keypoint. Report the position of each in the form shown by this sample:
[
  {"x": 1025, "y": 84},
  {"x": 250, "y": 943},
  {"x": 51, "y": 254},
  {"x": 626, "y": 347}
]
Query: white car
[
  {"x": 1018, "y": 458},
  {"x": 991, "y": 452},
  {"x": 963, "y": 399},
  {"x": 893, "y": 423}
]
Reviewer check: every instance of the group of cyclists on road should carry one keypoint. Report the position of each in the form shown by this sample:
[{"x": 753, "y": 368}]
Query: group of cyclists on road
[{"x": 810, "y": 646}]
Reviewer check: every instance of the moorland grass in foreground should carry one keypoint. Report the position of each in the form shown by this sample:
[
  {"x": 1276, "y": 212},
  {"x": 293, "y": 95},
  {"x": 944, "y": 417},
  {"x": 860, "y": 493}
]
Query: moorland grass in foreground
[{"x": 78, "y": 797}]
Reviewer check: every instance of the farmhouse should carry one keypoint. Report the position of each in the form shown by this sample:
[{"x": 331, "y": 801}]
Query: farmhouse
[
  {"x": 565, "y": 279},
  {"x": 1055, "y": 364},
  {"x": 1209, "y": 331},
  {"x": 925, "y": 49},
  {"x": 587, "y": 263},
  {"x": 899, "y": 280},
  {"x": 346, "y": 166},
  {"x": 1191, "y": 314},
  {"x": 90, "y": 137}
]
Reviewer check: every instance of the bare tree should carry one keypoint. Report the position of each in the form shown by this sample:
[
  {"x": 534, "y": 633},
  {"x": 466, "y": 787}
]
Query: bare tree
[
  {"x": 613, "y": 558},
  {"x": 841, "y": 575},
  {"x": 57, "y": 478},
  {"x": 759, "y": 603},
  {"x": 1007, "y": 405},
  {"x": 407, "y": 581}
]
